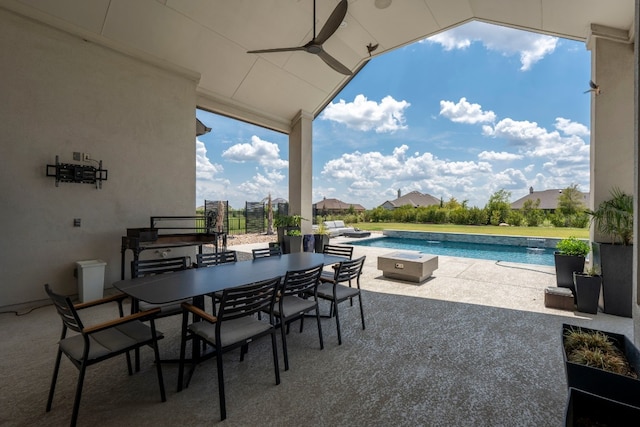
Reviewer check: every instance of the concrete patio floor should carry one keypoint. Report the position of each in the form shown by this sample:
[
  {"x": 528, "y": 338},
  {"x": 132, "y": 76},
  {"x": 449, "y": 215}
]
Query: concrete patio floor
[
  {"x": 498, "y": 284},
  {"x": 473, "y": 345}
]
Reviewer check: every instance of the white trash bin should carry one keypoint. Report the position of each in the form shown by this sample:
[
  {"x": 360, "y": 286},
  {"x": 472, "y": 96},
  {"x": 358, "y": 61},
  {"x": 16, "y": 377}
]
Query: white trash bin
[{"x": 90, "y": 279}]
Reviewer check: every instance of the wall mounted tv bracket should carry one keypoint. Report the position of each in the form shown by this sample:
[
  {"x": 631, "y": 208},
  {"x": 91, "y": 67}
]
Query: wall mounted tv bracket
[{"x": 69, "y": 172}]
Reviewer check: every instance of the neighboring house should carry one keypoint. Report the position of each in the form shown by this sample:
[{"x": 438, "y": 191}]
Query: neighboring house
[
  {"x": 414, "y": 198},
  {"x": 548, "y": 199},
  {"x": 335, "y": 206}
]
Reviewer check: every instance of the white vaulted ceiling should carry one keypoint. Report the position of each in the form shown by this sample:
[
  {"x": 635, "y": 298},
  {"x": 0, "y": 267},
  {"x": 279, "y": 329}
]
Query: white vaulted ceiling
[{"x": 208, "y": 39}]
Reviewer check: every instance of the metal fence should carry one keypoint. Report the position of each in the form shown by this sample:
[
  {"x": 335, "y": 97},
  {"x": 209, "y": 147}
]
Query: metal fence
[{"x": 255, "y": 215}]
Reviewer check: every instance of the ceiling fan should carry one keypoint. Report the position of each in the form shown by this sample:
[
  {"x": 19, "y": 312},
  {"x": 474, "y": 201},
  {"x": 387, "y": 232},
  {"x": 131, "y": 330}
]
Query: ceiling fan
[{"x": 315, "y": 45}]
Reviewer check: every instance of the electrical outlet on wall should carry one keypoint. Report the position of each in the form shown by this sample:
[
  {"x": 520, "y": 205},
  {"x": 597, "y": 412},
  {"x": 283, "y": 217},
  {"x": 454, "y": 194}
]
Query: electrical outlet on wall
[{"x": 86, "y": 156}]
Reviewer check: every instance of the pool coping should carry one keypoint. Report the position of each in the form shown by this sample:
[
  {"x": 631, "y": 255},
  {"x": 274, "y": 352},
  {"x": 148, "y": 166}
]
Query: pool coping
[{"x": 525, "y": 241}]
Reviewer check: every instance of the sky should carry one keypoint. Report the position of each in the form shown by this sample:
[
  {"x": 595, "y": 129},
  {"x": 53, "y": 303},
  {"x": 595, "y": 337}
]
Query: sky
[{"x": 461, "y": 115}]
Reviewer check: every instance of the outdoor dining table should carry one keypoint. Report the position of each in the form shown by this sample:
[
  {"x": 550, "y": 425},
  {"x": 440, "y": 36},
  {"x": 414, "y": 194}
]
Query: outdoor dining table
[{"x": 197, "y": 282}]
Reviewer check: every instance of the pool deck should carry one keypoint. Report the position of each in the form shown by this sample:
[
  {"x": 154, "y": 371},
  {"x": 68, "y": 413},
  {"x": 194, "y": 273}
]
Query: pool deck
[{"x": 499, "y": 284}]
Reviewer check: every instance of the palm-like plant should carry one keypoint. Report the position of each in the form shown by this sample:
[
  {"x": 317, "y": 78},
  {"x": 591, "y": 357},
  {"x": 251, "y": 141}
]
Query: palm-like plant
[{"x": 614, "y": 217}]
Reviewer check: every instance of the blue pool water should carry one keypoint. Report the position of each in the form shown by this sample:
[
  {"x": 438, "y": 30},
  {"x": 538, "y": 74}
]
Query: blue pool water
[{"x": 521, "y": 254}]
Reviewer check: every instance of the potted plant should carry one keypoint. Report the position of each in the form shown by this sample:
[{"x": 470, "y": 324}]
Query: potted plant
[
  {"x": 603, "y": 363},
  {"x": 587, "y": 285},
  {"x": 292, "y": 241},
  {"x": 321, "y": 237},
  {"x": 614, "y": 219},
  {"x": 289, "y": 234},
  {"x": 569, "y": 257}
]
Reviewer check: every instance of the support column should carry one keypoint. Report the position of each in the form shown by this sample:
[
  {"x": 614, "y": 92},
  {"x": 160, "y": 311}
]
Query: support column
[
  {"x": 612, "y": 114},
  {"x": 614, "y": 127},
  {"x": 635, "y": 310},
  {"x": 300, "y": 169}
]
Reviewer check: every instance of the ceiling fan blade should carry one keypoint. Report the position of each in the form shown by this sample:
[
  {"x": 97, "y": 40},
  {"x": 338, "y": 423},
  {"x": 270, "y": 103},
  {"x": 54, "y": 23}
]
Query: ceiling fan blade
[
  {"x": 333, "y": 23},
  {"x": 334, "y": 63},
  {"x": 281, "y": 49}
]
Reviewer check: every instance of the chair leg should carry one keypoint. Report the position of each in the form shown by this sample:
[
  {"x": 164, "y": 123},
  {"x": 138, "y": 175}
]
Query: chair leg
[
  {"x": 335, "y": 312},
  {"x": 361, "y": 310},
  {"x": 54, "y": 379},
  {"x": 76, "y": 402},
  {"x": 284, "y": 346},
  {"x": 319, "y": 328},
  {"x": 276, "y": 368},
  {"x": 223, "y": 407},
  {"x": 156, "y": 352},
  {"x": 243, "y": 350},
  {"x": 195, "y": 355}
]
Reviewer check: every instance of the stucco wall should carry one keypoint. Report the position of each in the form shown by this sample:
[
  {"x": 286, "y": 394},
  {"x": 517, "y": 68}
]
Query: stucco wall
[
  {"x": 612, "y": 118},
  {"x": 61, "y": 94}
]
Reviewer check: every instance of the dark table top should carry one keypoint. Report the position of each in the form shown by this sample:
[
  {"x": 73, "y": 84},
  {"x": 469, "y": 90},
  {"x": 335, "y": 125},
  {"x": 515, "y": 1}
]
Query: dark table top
[{"x": 169, "y": 287}]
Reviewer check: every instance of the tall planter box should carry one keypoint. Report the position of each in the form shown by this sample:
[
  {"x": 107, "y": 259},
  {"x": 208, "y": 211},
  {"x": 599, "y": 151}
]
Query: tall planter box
[
  {"x": 565, "y": 266},
  {"x": 587, "y": 292},
  {"x": 616, "y": 267},
  {"x": 588, "y": 409},
  {"x": 320, "y": 241},
  {"x": 607, "y": 384},
  {"x": 292, "y": 244}
]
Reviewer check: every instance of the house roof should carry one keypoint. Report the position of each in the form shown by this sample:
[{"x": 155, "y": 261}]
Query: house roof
[
  {"x": 337, "y": 205},
  {"x": 415, "y": 199},
  {"x": 208, "y": 41},
  {"x": 548, "y": 199}
]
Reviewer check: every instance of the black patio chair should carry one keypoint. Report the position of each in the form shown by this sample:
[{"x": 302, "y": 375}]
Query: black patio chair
[
  {"x": 234, "y": 327},
  {"x": 297, "y": 297},
  {"x": 215, "y": 258},
  {"x": 98, "y": 342},
  {"x": 266, "y": 252},
  {"x": 336, "y": 292}
]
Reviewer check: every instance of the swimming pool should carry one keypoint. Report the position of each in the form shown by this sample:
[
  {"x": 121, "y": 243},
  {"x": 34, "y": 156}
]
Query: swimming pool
[{"x": 510, "y": 253}]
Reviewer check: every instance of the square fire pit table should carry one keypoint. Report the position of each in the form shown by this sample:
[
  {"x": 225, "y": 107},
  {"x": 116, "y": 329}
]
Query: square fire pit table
[{"x": 409, "y": 266}]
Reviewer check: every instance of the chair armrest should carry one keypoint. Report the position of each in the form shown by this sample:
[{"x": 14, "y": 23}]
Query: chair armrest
[
  {"x": 141, "y": 315},
  {"x": 118, "y": 297},
  {"x": 199, "y": 312}
]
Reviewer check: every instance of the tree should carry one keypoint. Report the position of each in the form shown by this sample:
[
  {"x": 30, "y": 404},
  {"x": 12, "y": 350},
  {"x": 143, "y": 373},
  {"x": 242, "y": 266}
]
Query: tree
[
  {"x": 531, "y": 212},
  {"x": 452, "y": 204},
  {"x": 570, "y": 201},
  {"x": 498, "y": 207}
]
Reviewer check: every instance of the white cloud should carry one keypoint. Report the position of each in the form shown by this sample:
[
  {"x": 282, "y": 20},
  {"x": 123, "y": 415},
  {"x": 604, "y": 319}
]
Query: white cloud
[
  {"x": 265, "y": 153},
  {"x": 465, "y": 112},
  {"x": 205, "y": 170},
  {"x": 261, "y": 184},
  {"x": 501, "y": 156},
  {"x": 531, "y": 47},
  {"x": 366, "y": 173},
  {"x": 571, "y": 128},
  {"x": 365, "y": 115},
  {"x": 536, "y": 141}
]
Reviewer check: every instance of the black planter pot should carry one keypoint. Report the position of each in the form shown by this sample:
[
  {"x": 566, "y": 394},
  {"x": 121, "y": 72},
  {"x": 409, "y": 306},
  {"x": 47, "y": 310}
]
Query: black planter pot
[
  {"x": 292, "y": 244},
  {"x": 565, "y": 266},
  {"x": 607, "y": 384},
  {"x": 587, "y": 292},
  {"x": 588, "y": 409},
  {"x": 615, "y": 263},
  {"x": 320, "y": 241}
]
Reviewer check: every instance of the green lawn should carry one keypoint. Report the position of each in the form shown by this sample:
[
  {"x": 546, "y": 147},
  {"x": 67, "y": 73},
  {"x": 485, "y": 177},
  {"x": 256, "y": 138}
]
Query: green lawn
[{"x": 581, "y": 233}]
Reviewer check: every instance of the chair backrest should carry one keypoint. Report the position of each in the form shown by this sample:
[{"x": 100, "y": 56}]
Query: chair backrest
[
  {"x": 67, "y": 312},
  {"x": 301, "y": 281},
  {"x": 349, "y": 270},
  {"x": 140, "y": 268},
  {"x": 266, "y": 252},
  {"x": 243, "y": 301},
  {"x": 345, "y": 251},
  {"x": 215, "y": 258}
]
